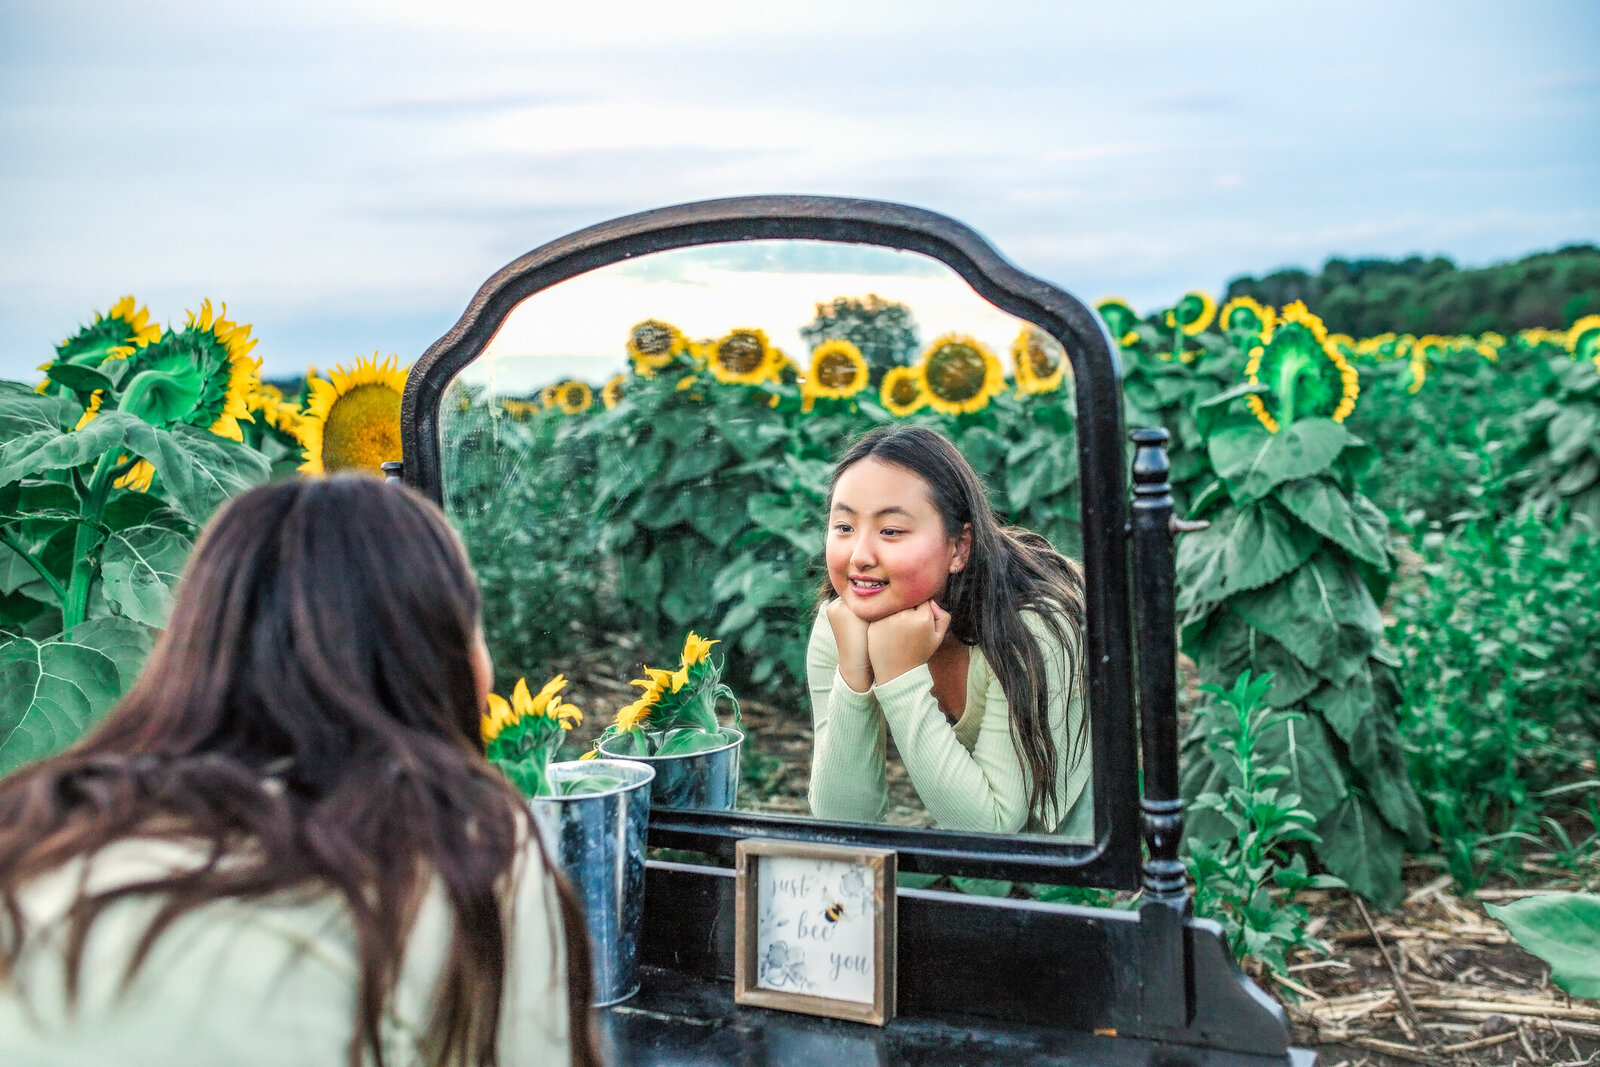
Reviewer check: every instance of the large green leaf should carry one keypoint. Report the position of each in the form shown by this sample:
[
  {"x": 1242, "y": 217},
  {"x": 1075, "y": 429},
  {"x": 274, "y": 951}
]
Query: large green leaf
[
  {"x": 1302, "y": 746},
  {"x": 198, "y": 469},
  {"x": 140, "y": 568},
  {"x": 50, "y": 693},
  {"x": 1321, "y": 612},
  {"x": 1563, "y": 929},
  {"x": 52, "y": 449},
  {"x": 1358, "y": 846},
  {"x": 1355, "y": 523},
  {"x": 127, "y": 643},
  {"x": 23, "y": 411},
  {"x": 1246, "y": 549},
  {"x": 1253, "y": 461}
]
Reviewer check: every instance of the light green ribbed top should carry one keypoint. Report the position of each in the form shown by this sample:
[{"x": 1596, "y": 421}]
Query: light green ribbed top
[
  {"x": 967, "y": 774},
  {"x": 260, "y": 982}
]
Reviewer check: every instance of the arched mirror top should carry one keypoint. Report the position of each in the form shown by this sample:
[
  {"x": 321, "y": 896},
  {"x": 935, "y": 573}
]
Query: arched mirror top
[{"x": 572, "y": 311}]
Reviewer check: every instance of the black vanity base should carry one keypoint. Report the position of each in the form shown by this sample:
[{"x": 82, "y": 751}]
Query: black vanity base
[{"x": 679, "y": 1019}]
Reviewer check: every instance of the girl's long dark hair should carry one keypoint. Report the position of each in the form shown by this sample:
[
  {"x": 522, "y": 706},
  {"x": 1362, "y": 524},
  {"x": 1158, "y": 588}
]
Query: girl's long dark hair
[
  {"x": 310, "y": 714},
  {"x": 1008, "y": 570}
]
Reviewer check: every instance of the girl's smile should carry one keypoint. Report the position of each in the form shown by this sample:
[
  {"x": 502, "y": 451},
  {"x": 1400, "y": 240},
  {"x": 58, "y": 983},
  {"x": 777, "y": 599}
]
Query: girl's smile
[{"x": 887, "y": 549}]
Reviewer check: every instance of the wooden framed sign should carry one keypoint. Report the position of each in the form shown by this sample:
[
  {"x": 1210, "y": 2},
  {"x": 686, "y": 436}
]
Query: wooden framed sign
[{"x": 814, "y": 929}]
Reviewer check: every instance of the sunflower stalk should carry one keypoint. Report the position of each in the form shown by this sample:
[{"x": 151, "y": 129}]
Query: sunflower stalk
[{"x": 75, "y": 607}]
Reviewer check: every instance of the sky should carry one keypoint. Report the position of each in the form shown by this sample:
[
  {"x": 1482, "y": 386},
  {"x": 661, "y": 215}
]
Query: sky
[{"x": 346, "y": 173}]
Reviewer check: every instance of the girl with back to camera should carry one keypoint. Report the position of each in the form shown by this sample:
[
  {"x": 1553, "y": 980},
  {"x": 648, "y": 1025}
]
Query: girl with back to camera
[
  {"x": 284, "y": 844},
  {"x": 959, "y": 636}
]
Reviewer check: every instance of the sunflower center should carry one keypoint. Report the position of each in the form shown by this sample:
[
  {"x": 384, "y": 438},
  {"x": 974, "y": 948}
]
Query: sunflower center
[
  {"x": 1042, "y": 360},
  {"x": 836, "y": 370},
  {"x": 362, "y": 430},
  {"x": 740, "y": 353},
  {"x": 652, "y": 338},
  {"x": 904, "y": 390},
  {"x": 956, "y": 372},
  {"x": 573, "y": 397}
]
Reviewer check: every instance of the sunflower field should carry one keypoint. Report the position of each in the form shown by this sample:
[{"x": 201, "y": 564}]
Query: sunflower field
[
  {"x": 1403, "y": 529},
  {"x": 110, "y": 465}
]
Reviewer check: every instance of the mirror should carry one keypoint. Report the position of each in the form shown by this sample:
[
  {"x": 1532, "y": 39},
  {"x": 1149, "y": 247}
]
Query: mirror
[{"x": 645, "y": 449}]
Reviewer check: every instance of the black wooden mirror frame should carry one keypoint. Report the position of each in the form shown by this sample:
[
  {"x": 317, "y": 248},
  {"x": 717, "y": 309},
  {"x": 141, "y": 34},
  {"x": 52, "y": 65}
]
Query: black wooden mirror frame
[{"x": 1113, "y": 859}]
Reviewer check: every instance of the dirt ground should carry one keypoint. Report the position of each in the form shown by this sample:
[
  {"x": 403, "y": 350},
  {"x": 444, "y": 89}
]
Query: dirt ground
[{"x": 1435, "y": 982}]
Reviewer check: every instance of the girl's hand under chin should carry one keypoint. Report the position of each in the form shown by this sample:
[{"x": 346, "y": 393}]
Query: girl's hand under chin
[
  {"x": 905, "y": 640},
  {"x": 850, "y": 635}
]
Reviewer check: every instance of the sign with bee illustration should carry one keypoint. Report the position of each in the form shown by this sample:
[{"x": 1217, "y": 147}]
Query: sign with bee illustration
[{"x": 815, "y": 929}]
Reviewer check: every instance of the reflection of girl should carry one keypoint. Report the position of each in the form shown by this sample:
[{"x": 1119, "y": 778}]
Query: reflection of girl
[
  {"x": 284, "y": 844},
  {"x": 958, "y": 636}
]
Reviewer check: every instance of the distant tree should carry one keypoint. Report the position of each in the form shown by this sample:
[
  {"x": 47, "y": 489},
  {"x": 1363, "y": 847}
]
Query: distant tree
[
  {"x": 1363, "y": 297},
  {"x": 883, "y": 329}
]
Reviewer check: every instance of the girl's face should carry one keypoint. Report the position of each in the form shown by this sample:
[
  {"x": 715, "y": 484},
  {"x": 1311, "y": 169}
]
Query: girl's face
[{"x": 887, "y": 548}]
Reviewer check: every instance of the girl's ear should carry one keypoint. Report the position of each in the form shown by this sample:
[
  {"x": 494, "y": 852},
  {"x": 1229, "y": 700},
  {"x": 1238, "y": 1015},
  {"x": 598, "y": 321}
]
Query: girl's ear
[{"x": 963, "y": 548}]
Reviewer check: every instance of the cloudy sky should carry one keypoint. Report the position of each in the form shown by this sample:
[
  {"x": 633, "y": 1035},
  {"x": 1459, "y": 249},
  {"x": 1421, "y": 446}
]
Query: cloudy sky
[{"x": 346, "y": 173}]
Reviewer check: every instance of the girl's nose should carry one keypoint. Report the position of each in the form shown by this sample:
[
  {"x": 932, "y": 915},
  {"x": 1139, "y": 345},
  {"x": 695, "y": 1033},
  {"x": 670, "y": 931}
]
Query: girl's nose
[{"x": 862, "y": 556}]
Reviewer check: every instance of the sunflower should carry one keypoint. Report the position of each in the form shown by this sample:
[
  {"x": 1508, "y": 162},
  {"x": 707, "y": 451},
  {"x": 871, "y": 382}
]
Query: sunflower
[
  {"x": 547, "y": 395},
  {"x": 1306, "y": 374},
  {"x": 1583, "y": 339},
  {"x": 1119, "y": 318},
  {"x": 273, "y": 410},
  {"x": 611, "y": 392},
  {"x": 1243, "y": 315},
  {"x": 838, "y": 371},
  {"x": 959, "y": 374},
  {"x": 201, "y": 375},
  {"x": 1193, "y": 313},
  {"x": 547, "y": 704},
  {"x": 743, "y": 357},
  {"x": 652, "y": 344},
  {"x": 902, "y": 392},
  {"x": 574, "y": 397},
  {"x": 521, "y": 410},
  {"x": 353, "y": 419},
  {"x": 696, "y": 648},
  {"x": 118, "y": 334},
  {"x": 1039, "y": 363}
]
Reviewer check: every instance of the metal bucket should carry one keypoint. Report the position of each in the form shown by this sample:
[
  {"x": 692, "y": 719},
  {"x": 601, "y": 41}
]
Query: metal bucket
[
  {"x": 708, "y": 780},
  {"x": 598, "y": 839}
]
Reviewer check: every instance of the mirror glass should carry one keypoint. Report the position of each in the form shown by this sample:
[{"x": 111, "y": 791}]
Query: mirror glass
[{"x": 645, "y": 451}]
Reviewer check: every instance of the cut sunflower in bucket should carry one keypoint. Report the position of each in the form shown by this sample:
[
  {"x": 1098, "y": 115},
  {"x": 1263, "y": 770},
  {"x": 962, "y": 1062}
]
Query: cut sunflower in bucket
[
  {"x": 960, "y": 375},
  {"x": 353, "y": 419},
  {"x": 676, "y": 714},
  {"x": 521, "y": 735}
]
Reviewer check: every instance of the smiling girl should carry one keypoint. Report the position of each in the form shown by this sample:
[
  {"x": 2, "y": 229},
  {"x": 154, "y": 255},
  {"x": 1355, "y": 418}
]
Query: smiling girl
[{"x": 958, "y": 636}]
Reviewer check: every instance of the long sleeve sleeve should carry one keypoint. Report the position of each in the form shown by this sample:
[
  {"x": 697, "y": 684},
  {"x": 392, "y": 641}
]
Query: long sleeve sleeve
[
  {"x": 849, "y": 781},
  {"x": 986, "y": 789}
]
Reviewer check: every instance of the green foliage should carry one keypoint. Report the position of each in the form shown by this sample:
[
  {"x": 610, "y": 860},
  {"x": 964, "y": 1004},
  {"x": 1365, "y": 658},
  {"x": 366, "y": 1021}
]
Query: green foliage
[
  {"x": 88, "y": 568},
  {"x": 883, "y": 330},
  {"x": 1563, "y": 929},
  {"x": 1287, "y": 580},
  {"x": 1248, "y": 881},
  {"x": 1499, "y": 635},
  {"x": 1561, "y": 450},
  {"x": 1366, "y": 297}
]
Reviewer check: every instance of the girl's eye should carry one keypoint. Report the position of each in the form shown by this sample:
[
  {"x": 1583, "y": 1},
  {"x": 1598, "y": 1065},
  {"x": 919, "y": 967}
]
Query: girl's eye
[
  {"x": 892, "y": 532},
  {"x": 841, "y": 528}
]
